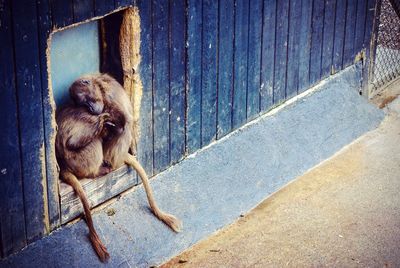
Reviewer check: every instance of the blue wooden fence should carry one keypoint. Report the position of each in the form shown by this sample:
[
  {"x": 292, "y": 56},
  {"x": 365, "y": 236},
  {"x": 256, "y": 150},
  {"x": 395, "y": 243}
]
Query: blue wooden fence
[{"x": 207, "y": 68}]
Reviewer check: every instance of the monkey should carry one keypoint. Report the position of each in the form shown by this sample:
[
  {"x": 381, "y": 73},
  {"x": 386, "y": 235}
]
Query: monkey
[
  {"x": 79, "y": 149},
  {"x": 116, "y": 145}
]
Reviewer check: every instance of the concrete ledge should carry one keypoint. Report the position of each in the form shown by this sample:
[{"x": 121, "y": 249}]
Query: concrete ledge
[{"x": 213, "y": 187}]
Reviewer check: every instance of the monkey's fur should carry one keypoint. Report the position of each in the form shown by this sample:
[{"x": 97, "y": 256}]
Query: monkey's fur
[
  {"x": 120, "y": 135},
  {"x": 79, "y": 153}
]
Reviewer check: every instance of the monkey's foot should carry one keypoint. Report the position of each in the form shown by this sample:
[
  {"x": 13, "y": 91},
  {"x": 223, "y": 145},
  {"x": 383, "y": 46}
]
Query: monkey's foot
[{"x": 170, "y": 220}]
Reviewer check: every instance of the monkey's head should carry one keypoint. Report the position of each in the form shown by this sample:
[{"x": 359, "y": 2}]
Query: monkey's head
[{"x": 85, "y": 93}]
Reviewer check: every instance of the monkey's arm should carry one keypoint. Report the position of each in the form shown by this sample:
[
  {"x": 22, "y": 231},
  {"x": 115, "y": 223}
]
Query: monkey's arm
[{"x": 80, "y": 137}]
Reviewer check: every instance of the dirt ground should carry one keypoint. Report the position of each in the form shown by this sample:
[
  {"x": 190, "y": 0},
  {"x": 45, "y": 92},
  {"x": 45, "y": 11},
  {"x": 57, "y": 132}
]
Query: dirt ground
[{"x": 344, "y": 213}]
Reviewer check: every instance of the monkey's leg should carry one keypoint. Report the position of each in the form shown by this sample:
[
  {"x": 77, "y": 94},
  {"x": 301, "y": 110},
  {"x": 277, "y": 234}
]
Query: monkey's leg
[
  {"x": 98, "y": 246},
  {"x": 174, "y": 223}
]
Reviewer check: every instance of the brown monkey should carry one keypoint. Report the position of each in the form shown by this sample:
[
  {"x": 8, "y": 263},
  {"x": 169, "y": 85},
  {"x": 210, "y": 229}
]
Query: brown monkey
[
  {"x": 79, "y": 150},
  {"x": 116, "y": 144}
]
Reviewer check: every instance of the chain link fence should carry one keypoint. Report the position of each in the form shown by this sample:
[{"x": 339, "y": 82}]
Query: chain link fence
[{"x": 386, "y": 49}]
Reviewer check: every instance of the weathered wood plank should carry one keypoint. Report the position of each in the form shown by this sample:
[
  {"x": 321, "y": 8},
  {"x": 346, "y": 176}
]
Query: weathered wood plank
[
  {"x": 327, "y": 43},
  {"x": 12, "y": 221},
  {"x": 145, "y": 144},
  {"x": 369, "y": 23},
  {"x": 305, "y": 45},
  {"x": 123, "y": 3},
  {"x": 102, "y": 7},
  {"x": 268, "y": 55},
  {"x": 225, "y": 67},
  {"x": 281, "y": 45},
  {"x": 44, "y": 18},
  {"x": 62, "y": 12},
  {"x": 209, "y": 72},
  {"x": 360, "y": 25},
  {"x": 293, "y": 48},
  {"x": 194, "y": 51},
  {"x": 97, "y": 191},
  {"x": 340, "y": 23},
  {"x": 240, "y": 63},
  {"x": 348, "y": 53},
  {"x": 254, "y": 60},
  {"x": 177, "y": 79},
  {"x": 29, "y": 89},
  {"x": 316, "y": 41},
  {"x": 83, "y": 10},
  {"x": 161, "y": 105}
]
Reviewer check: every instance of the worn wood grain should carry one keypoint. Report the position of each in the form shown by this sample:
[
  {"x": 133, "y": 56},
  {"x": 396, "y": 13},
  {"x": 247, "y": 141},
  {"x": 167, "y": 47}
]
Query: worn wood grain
[
  {"x": 97, "y": 191},
  {"x": 328, "y": 37},
  {"x": 268, "y": 55},
  {"x": 254, "y": 58},
  {"x": 281, "y": 45},
  {"x": 209, "y": 72},
  {"x": 351, "y": 15},
  {"x": 177, "y": 80},
  {"x": 194, "y": 74},
  {"x": 145, "y": 144},
  {"x": 360, "y": 25},
  {"x": 317, "y": 28},
  {"x": 12, "y": 221},
  {"x": 240, "y": 63},
  {"x": 28, "y": 81},
  {"x": 102, "y": 7},
  {"x": 83, "y": 10},
  {"x": 225, "y": 66},
  {"x": 305, "y": 45},
  {"x": 293, "y": 48},
  {"x": 340, "y": 23},
  {"x": 62, "y": 13},
  {"x": 53, "y": 200},
  {"x": 161, "y": 105}
]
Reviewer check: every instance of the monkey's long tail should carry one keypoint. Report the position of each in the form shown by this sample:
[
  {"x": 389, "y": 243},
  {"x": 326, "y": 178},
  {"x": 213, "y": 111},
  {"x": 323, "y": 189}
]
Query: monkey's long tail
[
  {"x": 98, "y": 246},
  {"x": 174, "y": 223}
]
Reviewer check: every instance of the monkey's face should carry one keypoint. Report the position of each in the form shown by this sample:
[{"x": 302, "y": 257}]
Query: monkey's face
[{"x": 84, "y": 93}]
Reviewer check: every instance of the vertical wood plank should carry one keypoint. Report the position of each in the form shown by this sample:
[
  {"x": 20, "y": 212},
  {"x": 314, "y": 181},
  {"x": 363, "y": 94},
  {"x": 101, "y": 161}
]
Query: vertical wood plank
[
  {"x": 123, "y": 3},
  {"x": 145, "y": 144},
  {"x": 83, "y": 10},
  {"x": 62, "y": 12},
  {"x": 225, "y": 67},
  {"x": 360, "y": 25},
  {"x": 102, "y": 7},
  {"x": 44, "y": 18},
  {"x": 281, "y": 45},
  {"x": 293, "y": 48},
  {"x": 268, "y": 55},
  {"x": 194, "y": 74},
  {"x": 254, "y": 60},
  {"x": 12, "y": 220},
  {"x": 161, "y": 106},
  {"x": 338, "y": 45},
  {"x": 240, "y": 63},
  {"x": 31, "y": 116},
  {"x": 316, "y": 41},
  {"x": 369, "y": 23},
  {"x": 305, "y": 45},
  {"x": 177, "y": 79},
  {"x": 348, "y": 53},
  {"x": 209, "y": 72},
  {"x": 329, "y": 31}
]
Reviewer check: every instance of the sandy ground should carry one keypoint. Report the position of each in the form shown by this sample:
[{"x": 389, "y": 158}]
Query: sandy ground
[{"x": 344, "y": 213}]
